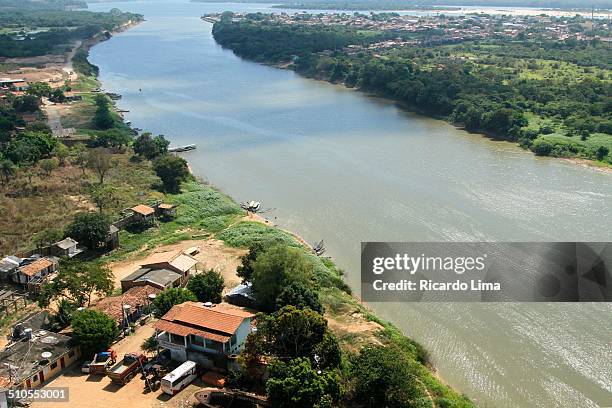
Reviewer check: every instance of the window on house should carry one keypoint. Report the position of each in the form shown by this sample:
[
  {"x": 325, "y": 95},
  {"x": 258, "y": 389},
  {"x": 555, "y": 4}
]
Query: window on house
[
  {"x": 70, "y": 354},
  {"x": 197, "y": 341},
  {"x": 54, "y": 365}
]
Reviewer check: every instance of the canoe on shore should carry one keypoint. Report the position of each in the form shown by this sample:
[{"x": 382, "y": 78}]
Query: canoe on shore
[{"x": 179, "y": 149}]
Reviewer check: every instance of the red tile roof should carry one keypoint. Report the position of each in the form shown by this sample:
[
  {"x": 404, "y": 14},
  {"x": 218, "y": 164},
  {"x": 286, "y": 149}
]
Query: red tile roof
[
  {"x": 208, "y": 322},
  {"x": 181, "y": 330},
  {"x": 36, "y": 267},
  {"x": 143, "y": 209},
  {"x": 135, "y": 297}
]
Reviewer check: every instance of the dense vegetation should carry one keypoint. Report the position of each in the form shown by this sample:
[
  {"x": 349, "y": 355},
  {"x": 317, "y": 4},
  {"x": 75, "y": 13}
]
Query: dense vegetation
[
  {"x": 552, "y": 97},
  {"x": 41, "y": 4},
  {"x": 40, "y": 32}
]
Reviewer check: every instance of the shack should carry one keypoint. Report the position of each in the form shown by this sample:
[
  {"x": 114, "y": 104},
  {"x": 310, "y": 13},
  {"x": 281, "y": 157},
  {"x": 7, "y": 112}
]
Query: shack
[
  {"x": 67, "y": 247},
  {"x": 128, "y": 307},
  {"x": 143, "y": 213},
  {"x": 157, "y": 278},
  {"x": 9, "y": 266},
  {"x": 35, "y": 270}
]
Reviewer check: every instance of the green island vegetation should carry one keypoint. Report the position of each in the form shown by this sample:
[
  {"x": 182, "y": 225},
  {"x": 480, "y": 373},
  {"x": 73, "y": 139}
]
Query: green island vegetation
[
  {"x": 551, "y": 96},
  {"x": 42, "y": 32}
]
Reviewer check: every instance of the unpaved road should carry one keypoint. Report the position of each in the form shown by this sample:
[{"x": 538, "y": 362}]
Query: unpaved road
[{"x": 87, "y": 391}]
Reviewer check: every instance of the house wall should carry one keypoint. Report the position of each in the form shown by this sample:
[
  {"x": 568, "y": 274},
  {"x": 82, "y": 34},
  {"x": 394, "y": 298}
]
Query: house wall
[
  {"x": 241, "y": 334},
  {"x": 52, "y": 369}
]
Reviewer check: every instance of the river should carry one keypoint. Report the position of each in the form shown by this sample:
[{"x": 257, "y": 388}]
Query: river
[{"x": 338, "y": 165}]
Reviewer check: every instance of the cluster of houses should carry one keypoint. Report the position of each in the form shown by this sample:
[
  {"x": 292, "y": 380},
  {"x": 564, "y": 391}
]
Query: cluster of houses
[
  {"x": 444, "y": 27},
  {"x": 16, "y": 86},
  {"x": 209, "y": 334}
]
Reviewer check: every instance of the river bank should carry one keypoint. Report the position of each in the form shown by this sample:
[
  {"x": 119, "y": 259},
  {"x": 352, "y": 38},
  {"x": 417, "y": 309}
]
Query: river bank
[
  {"x": 341, "y": 167},
  {"x": 452, "y": 81},
  {"x": 204, "y": 210},
  {"x": 591, "y": 164}
]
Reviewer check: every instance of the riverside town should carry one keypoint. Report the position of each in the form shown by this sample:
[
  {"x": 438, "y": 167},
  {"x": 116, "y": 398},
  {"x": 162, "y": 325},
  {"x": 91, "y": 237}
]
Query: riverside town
[{"x": 305, "y": 204}]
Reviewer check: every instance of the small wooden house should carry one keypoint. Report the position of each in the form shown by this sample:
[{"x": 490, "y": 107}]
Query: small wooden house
[{"x": 143, "y": 213}]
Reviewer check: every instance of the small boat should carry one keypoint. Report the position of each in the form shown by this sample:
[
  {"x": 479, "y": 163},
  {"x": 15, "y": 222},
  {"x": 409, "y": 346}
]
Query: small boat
[
  {"x": 179, "y": 149},
  {"x": 251, "y": 206}
]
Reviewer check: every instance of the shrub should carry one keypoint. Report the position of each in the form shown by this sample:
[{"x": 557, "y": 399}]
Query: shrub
[
  {"x": 93, "y": 330},
  {"x": 207, "y": 286}
]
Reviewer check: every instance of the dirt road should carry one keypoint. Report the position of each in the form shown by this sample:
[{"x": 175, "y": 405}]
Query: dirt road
[{"x": 87, "y": 391}]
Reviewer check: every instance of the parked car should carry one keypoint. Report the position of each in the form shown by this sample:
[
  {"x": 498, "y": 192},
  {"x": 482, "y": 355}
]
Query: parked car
[{"x": 85, "y": 368}]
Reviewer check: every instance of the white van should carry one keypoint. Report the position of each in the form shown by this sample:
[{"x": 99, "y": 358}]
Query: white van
[{"x": 178, "y": 379}]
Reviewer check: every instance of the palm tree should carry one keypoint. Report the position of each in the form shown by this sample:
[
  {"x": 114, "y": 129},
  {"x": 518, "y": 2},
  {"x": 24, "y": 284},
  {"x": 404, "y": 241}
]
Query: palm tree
[{"x": 7, "y": 169}]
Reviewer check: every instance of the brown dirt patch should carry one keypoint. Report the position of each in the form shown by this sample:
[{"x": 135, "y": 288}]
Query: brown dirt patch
[
  {"x": 214, "y": 254},
  {"x": 353, "y": 330}
]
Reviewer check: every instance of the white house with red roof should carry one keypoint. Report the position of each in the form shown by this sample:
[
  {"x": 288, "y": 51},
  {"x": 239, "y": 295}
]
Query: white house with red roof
[{"x": 204, "y": 333}]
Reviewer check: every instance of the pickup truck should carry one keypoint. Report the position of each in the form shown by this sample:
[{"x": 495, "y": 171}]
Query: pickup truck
[
  {"x": 126, "y": 369},
  {"x": 102, "y": 361}
]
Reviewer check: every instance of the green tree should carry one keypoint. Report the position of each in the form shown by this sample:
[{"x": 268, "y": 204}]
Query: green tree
[
  {"x": 7, "y": 170},
  {"x": 89, "y": 229},
  {"x": 48, "y": 165},
  {"x": 104, "y": 196},
  {"x": 541, "y": 147},
  {"x": 601, "y": 152},
  {"x": 385, "y": 377},
  {"x": 103, "y": 118},
  {"x": 39, "y": 89},
  {"x": 62, "y": 318},
  {"x": 276, "y": 268},
  {"x": 61, "y": 152},
  {"x": 57, "y": 96},
  {"x": 207, "y": 286},
  {"x": 78, "y": 282},
  {"x": 172, "y": 170},
  {"x": 112, "y": 138},
  {"x": 93, "y": 331},
  {"x": 80, "y": 156},
  {"x": 300, "y": 295},
  {"x": 291, "y": 332},
  {"x": 170, "y": 297},
  {"x": 150, "y": 147},
  {"x": 245, "y": 270},
  {"x": 100, "y": 161},
  {"x": 298, "y": 385},
  {"x": 47, "y": 237},
  {"x": 41, "y": 127},
  {"x": 26, "y": 103},
  {"x": 30, "y": 147}
]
